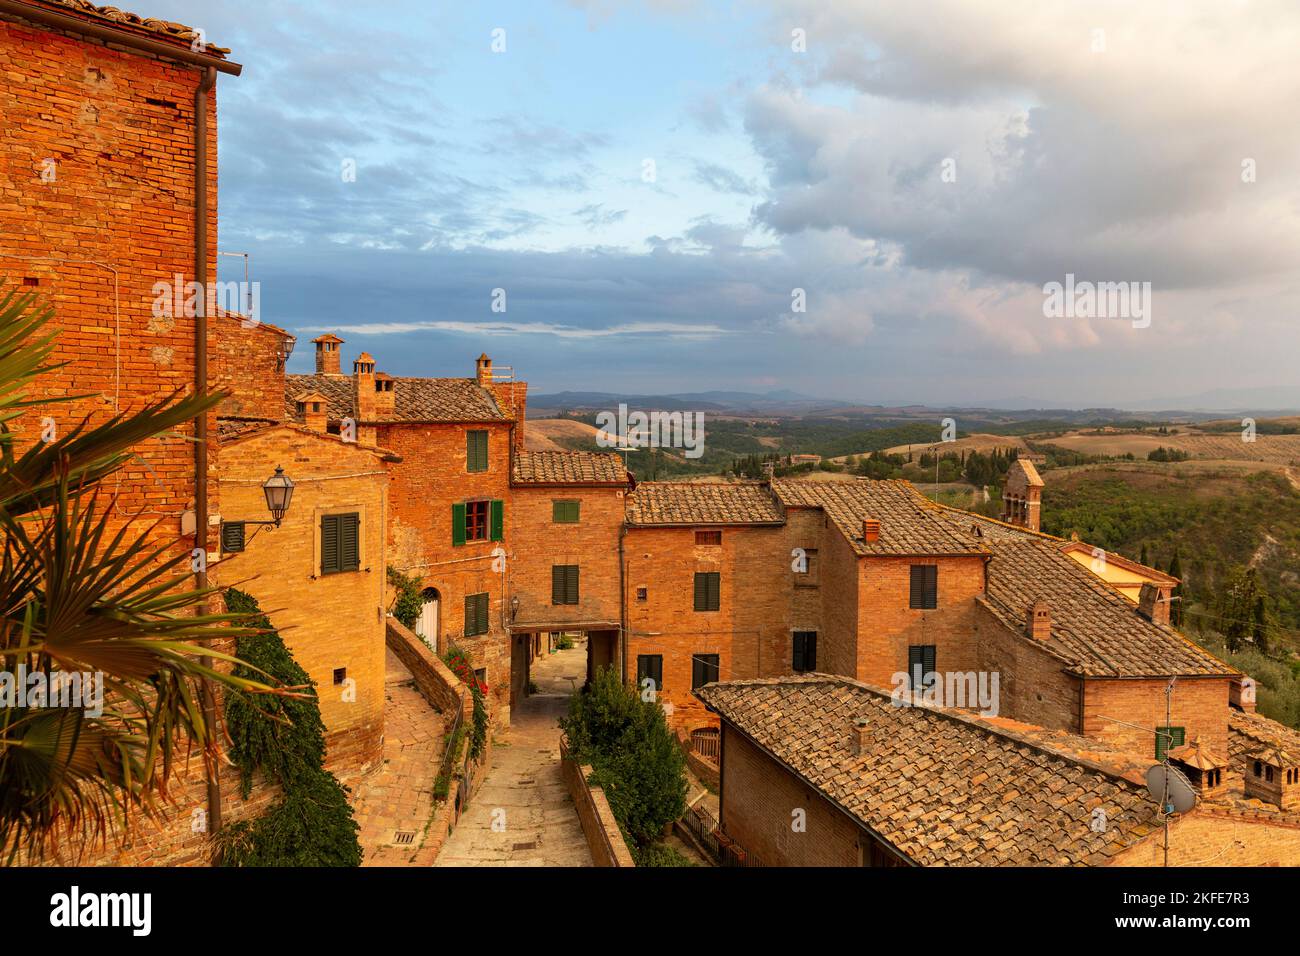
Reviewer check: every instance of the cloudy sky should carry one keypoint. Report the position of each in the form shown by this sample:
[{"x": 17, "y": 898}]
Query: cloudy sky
[{"x": 651, "y": 181}]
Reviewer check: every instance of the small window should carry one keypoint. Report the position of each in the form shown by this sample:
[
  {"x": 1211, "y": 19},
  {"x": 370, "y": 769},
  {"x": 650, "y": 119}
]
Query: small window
[
  {"x": 708, "y": 590},
  {"x": 650, "y": 666},
  {"x": 925, "y": 586},
  {"x": 476, "y": 450},
  {"x": 705, "y": 669},
  {"x": 232, "y": 536},
  {"x": 340, "y": 675},
  {"x": 920, "y": 664},
  {"x": 708, "y": 539},
  {"x": 565, "y": 512},
  {"x": 340, "y": 547},
  {"x": 805, "y": 651},
  {"x": 31, "y": 281},
  {"x": 1168, "y": 738},
  {"x": 643, "y": 594},
  {"x": 564, "y": 584},
  {"x": 476, "y": 614}
]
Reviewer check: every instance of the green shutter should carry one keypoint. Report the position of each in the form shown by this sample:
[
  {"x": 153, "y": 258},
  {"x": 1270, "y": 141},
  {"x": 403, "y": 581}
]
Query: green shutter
[
  {"x": 458, "y": 524},
  {"x": 496, "y": 517},
  {"x": 701, "y": 592},
  {"x": 571, "y": 586},
  {"x": 476, "y": 451},
  {"x": 329, "y": 544},
  {"x": 1163, "y": 739},
  {"x": 349, "y": 542},
  {"x": 557, "y": 584},
  {"x": 715, "y": 591},
  {"x": 232, "y": 536},
  {"x": 565, "y": 512},
  {"x": 483, "y": 605}
]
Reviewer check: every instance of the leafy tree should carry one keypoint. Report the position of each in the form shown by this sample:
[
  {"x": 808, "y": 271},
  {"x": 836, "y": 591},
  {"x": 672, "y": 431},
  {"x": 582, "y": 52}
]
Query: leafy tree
[
  {"x": 409, "y": 601},
  {"x": 81, "y": 591}
]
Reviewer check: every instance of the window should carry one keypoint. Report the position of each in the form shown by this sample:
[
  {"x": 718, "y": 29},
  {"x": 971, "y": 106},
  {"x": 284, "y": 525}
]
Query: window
[
  {"x": 708, "y": 590},
  {"x": 340, "y": 675},
  {"x": 805, "y": 651},
  {"x": 651, "y": 666},
  {"x": 477, "y": 521},
  {"x": 925, "y": 586},
  {"x": 565, "y": 512},
  {"x": 340, "y": 548},
  {"x": 476, "y": 614},
  {"x": 708, "y": 539},
  {"x": 704, "y": 669},
  {"x": 232, "y": 536},
  {"x": 476, "y": 450},
  {"x": 920, "y": 664},
  {"x": 643, "y": 594},
  {"x": 564, "y": 584},
  {"x": 1168, "y": 737}
]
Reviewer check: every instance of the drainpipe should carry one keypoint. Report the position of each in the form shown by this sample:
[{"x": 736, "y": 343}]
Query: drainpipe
[{"x": 209, "y": 701}]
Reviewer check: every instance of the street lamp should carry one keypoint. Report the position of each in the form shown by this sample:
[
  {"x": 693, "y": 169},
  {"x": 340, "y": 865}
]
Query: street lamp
[
  {"x": 514, "y": 607},
  {"x": 279, "y": 492}
]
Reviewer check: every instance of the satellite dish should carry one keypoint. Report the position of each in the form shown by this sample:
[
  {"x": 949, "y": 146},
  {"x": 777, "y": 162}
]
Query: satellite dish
[{"x": 1162, "y": 780}]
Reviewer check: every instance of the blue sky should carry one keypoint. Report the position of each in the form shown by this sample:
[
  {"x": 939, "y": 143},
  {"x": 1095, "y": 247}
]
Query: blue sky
[{"x": 775, "y": 169}]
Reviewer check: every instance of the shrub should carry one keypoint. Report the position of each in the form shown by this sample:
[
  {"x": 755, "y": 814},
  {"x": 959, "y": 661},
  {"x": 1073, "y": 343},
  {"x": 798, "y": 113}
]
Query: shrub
[
  {"x": 409, "y": 602},
  {"x": 284, "y": 738}
]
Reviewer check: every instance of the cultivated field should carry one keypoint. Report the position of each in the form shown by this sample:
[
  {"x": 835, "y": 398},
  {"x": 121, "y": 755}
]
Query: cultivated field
[
  {"x": 559, "y": 434},
  {"x": 979, "y": 442},
  {"x": 1271, "y": 449}
]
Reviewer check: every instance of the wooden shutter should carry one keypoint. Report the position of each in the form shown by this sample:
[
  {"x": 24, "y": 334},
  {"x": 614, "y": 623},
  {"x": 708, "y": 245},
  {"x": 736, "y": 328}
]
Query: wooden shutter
[
  {"x": 496, "y": 517},
  {"x": 931, "y": 586},
  {"x": 557, "y": 584},
  {"x": 476, "y": 450},
  {"x": 329, "y": 544},
  {"x": 483, "y": 608},
  {"x": 571, "y": 585},
  {"x": 232, "y": 536},
  {"x": 924, "y": 591},
  {"x": 916, "y": 591},
  {"x": 714, "y": 583},
  {"x": 704, "y": 669},
  {"x": 349, "y": 542},
  {"x": 1178, "y": 735},
  {"x": 458, "y": 524},
  {"x": 797, "y": 657},
  {"x": 922, "y": 656},
  {"x": 565, "y": 512},
  {"x": 701, "y": 591}
]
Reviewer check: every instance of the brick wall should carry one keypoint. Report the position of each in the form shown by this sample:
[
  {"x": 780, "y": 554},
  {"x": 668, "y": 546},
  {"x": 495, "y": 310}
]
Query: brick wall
[
  {"x": 537, "y": 543},
  {"x": 604, "y": 838},
  {"x": 1212, "y": 838},
  {"x": 248, "y": 363},
  {"x": 745, "y": 632},
  {"x": 425, "y": 484},
  {"x": 119, "y": 128},
  {"x": 1033, "y": 686},
  {"x": 759, "y": 799},
  {"x": 886, "y": 625},
  {"x": 1199, "y": 704},
  {"x": 327, "y": 621},
  {"x": 435, "y": 680}
]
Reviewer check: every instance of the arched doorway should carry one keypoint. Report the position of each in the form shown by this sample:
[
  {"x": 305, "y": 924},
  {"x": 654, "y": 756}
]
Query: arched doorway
[{"x": 426, "y": 625}]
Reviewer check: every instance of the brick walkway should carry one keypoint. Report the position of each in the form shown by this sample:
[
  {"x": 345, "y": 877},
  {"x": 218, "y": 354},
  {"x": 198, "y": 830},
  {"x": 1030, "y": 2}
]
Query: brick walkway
[
  {"x": 523, "y": 788},
  {"x": 398, "y": 798}
]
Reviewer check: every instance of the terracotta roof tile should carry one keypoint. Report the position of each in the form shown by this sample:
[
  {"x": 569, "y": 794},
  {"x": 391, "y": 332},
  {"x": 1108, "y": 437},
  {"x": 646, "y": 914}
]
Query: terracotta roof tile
[
  {"x": 690, "y": 503},
  {"x": 908, "y": 525},
  {"x": 568, "y": 468},
  {"x": 121, "y": 18},
  {"x": 415, "y": 399},
  {"x": 943, "y": 788}
]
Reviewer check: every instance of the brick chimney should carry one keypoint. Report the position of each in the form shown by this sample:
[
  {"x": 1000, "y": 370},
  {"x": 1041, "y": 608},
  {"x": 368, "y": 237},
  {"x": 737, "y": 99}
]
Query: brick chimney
[
  {"x": 313, "y": 409},
  {"x": 385, "y": 395},
  {"x": 1038, "y": 623},
  {"x": 483, "y": 370},
  {"x": 858, "y": 736},
  {"x": 327, "y": 354},
  {"x": 363, "y": 387},
  {"x": 870, "y": 530},
  {"x": 1273, "y": 775},
  {"x": 1153, "y": 603},
  {"x": 1202, "y": 769},
  {"x": 1241, "y": 693}
]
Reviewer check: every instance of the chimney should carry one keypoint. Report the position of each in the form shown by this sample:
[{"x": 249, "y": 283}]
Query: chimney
[
  {"x": 385, "y": 395},
  {"x": 1201, "y": 768},
  {"x": 363, "y": 387},
  {"x": 870, "y": 530},
  {"x": 1153, "y": 603},
  {"x": 858, "y": 737},
  {"x": 483, "y": 370},
  {"x": 327, "y": 354},
  {"x": 313, "y": 409},
  {"x": 1039, "y": 621},
  {"x": 1241, "y": 693},
  {"x": 1273, "y": 775}
]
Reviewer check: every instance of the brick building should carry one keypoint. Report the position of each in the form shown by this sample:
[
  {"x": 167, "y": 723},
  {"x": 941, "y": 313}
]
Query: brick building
[
  {"x": 827, "y": 771},
  {"x": 566, "y": 520},
  {"x": 449, "y": 522}
]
